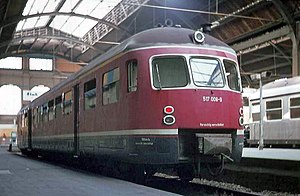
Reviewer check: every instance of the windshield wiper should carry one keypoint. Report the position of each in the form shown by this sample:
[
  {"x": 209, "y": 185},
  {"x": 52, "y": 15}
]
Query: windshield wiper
[{"x": 158, "y": 77}]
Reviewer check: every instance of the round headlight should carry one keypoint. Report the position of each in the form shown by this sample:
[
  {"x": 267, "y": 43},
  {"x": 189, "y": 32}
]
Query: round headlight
[
  {"x": 199, "y": 37},
  {"x": 169, "y": 120}
]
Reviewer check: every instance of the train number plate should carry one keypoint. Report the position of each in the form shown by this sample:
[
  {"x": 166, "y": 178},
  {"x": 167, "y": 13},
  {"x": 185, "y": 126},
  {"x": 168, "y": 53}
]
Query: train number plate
[{"x": 212, "y": 99}]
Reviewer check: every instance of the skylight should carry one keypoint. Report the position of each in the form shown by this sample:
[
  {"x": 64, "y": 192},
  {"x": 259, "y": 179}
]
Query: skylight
[{"x": 74, "y": 25}]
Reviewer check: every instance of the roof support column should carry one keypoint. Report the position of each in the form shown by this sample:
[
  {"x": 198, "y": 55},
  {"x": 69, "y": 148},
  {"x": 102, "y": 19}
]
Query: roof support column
[
  {"x": 25, "y": 63},
  {"x": 296, "y": 51}
]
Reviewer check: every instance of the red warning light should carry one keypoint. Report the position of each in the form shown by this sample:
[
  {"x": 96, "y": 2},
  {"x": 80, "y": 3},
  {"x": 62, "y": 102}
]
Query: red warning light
[{"x": 169, "y": 110}]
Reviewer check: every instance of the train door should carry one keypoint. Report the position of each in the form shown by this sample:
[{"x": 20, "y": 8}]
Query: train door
[{"x": 76, "y": 119}]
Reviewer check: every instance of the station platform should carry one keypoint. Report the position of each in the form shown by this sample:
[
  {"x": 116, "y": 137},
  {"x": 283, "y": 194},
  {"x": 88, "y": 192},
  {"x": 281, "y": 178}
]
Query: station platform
[
  {"x": 21, "y": 176},
  {"x": 272, "y": 153}
]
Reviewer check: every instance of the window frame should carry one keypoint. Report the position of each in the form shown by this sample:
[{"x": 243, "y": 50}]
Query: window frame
[
  {"x": 274, "y": 109},
  {"x": 163, "y": 56},
  {"x": 254, "y": 105},
  {"x": 220, "y": 63},
  {"x": 237, "y": 74},
  {"x": 132, "y": 77},
  {"x": 107, "y": 86},
  {"x": 67, "y": 104},
  {"x": 293, "y": 107},
  {"x": 58, "y": 105},
  {"x": 90, "y": 94}
]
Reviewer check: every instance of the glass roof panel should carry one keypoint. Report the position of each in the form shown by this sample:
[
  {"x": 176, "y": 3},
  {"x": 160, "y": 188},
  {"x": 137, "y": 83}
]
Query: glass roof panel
[
  {"x": 105, "y": 7},
  {"x": 73, "y": 25},
  {"x": 41, "y": 21},
  {"x": 59, "y": 21},
  {"x": 83, "y": 27},
  {"x": 68, "y": 6}
]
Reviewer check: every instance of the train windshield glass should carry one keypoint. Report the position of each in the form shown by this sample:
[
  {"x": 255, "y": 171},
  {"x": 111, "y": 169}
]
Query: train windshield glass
[
  {"x": 169, "y": 72},
  {"x": 232, "y": 75},
  {"x": 207, "y": 72}
]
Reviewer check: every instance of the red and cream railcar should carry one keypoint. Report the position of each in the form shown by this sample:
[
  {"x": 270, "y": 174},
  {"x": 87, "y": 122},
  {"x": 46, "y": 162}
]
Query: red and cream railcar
[{"x": 166, "y": 97}]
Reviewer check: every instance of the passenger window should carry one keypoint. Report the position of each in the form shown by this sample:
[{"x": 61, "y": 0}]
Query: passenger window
[
  {"x": 23, "y": 120},
  {"x": 90, "y": 94},
  {"x": 274, "y": 110},
  {"x": 40, "y": 114},
  {"x": 26, "y": 119},
  {"x": 51, "y": 110},
  {"x": 58, "y": 107},
  {"x": 34, "y": 116},
  {"x": 255, "y": 111},
  {"x": 232, "y": 75},
  {"x": 132, "y": 76},
  {"x": 45, "y": 112},
  {"x": 67, "y": 106},
  {"x": 111, "y": 86},
  {"x": 295, "y": 107}
]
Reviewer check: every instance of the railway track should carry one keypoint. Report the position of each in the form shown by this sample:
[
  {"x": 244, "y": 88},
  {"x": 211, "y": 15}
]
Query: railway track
[
  {"x": 173, "y": 184},
  {"x": 195, "y": 187}
]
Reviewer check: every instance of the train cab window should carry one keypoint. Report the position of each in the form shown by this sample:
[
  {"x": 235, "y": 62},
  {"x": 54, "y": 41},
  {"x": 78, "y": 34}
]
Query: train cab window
[
  {"x": 169, "y": 72},
  {"x": 273, "y": 110},
  {"x": 51, "y": 110},
  {"x": 45, "y": 113},
  {"x": 111, "y": 86},
  {"x": 295, "y": 107},
  {"x": 132, "y": 75},
  {"x": 58, "y": 108},
  {"x": 90, "y": 94},
  {"x": 255, "y": 111},
  {"x": 207, "y": 72},
  {"x": 232, "y": 75},
  {"x": 67, "y": 104}
]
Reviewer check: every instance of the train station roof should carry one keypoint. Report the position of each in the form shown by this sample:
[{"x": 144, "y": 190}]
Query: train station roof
[{"x": 260, "y": 31}]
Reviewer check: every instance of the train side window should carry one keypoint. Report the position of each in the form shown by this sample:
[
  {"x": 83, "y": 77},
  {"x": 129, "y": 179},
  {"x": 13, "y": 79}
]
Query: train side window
[
  {"x": 67, "y": 106},
  {"x": 111, "y": 86},
  {"x": 295, "y": 107},
  {"x": 58, "y": 108},
  {"x": 90, "y": 94},
  {"x": 34, "y": 116},
  {"x": 51, "y": 110},
  {"x": 45, "y": 112},
  {"x": 274, "y": 110},
  {"x": 40, "y": 114},
  {"x": 245, "y": 101},
  {"x": 232, "y": 75},
  {"x": 255, "y": 111},
  {"x": 132, "y": 76},
  {"x": 23, "y": 120},
  {"x": 26, "y": 119}
]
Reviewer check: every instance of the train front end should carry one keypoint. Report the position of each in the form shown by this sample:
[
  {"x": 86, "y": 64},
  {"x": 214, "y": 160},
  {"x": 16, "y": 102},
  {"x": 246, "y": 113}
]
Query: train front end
[{"x": 195, "y": 97}]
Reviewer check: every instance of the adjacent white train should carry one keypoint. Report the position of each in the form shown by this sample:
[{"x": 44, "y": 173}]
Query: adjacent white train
[{"x": 281, "y": 114}]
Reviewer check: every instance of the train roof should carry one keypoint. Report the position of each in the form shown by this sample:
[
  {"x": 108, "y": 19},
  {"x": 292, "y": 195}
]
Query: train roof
[
  {"x": 156, "y": 37},
  {"x": 162, "y": 36},
  {"x": 280, "y": 87}
]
